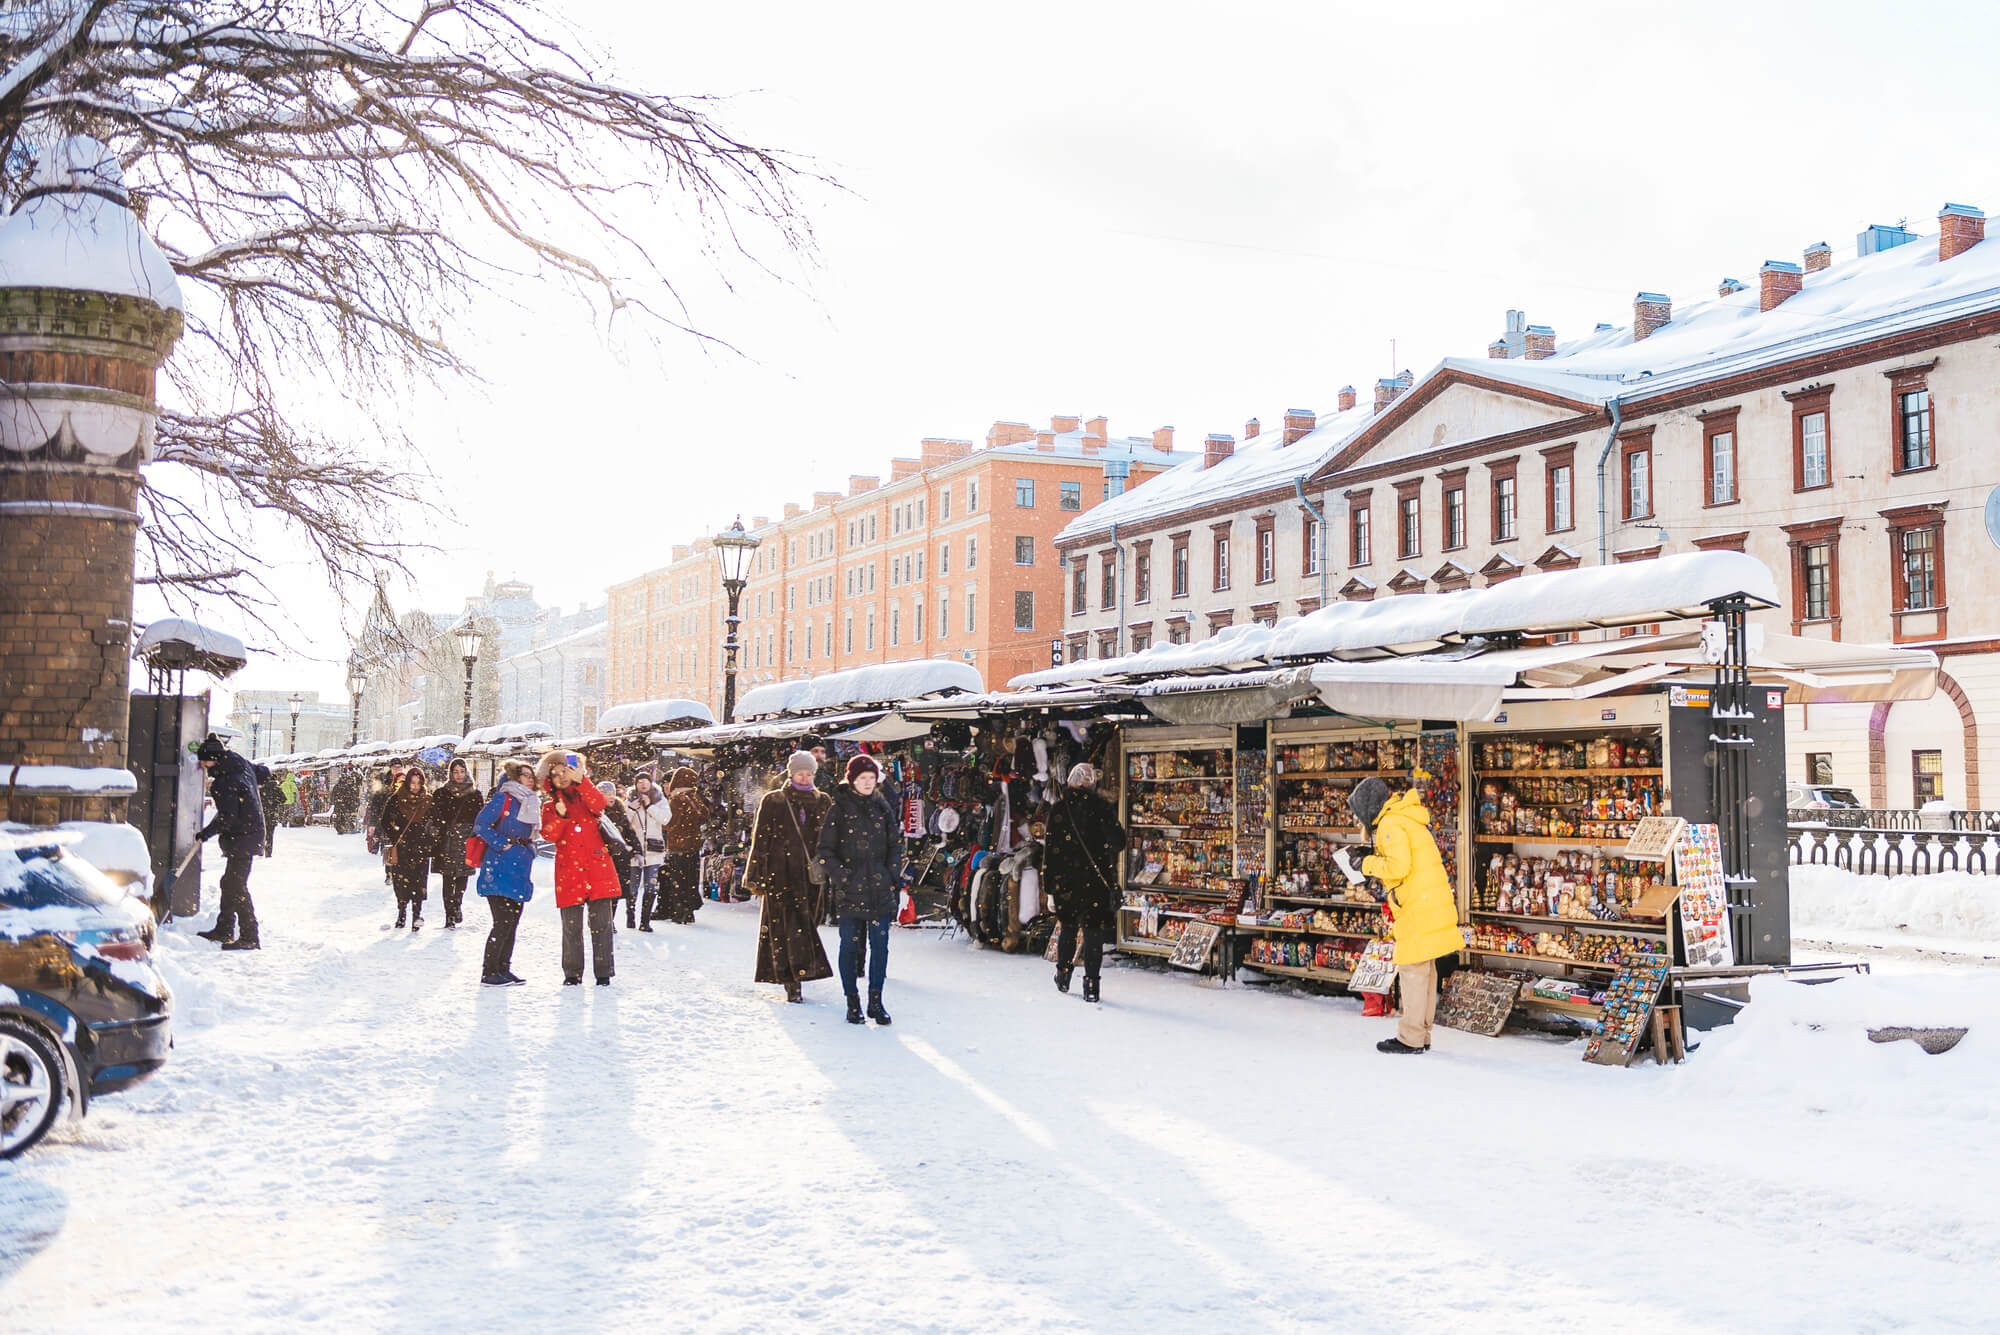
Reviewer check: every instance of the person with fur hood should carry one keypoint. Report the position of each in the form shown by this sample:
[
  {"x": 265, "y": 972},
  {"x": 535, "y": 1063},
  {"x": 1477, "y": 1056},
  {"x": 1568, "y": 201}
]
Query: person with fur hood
[
  {"x": 680, "y": 870},
  {"x": 586, "y": 878},
  {"x": 861, "y": 847},
  {"x": 649, "y": 813},
  {"x": 409, "y": 839},
  {"x": 783, "y": 842}
]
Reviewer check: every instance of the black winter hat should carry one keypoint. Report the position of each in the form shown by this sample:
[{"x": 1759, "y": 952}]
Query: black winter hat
[
  {"x": 1367, "y": 800},
  {"x": 211, "y": 748}
]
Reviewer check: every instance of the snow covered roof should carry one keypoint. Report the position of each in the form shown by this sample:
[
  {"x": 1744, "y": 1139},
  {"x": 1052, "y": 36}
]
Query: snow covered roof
[
  {"x": 175, "y": 642},
  {"x": 1258, "y": 465},
  {"x": 1559, "y": 600},
  {"x": 878, "y": 683},
  {"x": 69, "y": 779},
  {"x": 651, "y": 714},
  {"x": 74, "y": 229},
  {"x": 1070, "y": 445},
  {"x": 508, "y": 732}
]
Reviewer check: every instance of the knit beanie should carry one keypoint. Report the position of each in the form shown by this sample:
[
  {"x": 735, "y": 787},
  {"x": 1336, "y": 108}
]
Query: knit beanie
[
  {"x": 801, "y": 762},
  {"x": 862, "y": 764}
]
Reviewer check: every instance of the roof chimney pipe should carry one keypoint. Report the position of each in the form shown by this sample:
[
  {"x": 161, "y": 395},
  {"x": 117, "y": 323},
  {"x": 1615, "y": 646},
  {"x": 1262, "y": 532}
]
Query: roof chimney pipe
[{"x": 1650, "y": 310}]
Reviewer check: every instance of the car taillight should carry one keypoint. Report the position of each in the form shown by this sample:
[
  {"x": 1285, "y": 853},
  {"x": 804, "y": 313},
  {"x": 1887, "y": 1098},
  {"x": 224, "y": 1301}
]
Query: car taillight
[{"x": 122, "y": 950}]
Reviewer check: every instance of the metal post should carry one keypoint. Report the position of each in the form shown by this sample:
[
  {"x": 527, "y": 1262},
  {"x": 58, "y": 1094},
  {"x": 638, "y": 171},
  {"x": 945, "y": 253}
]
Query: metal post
[
  {"x": 354, "y": 721},
  {"x": 466, "y": 726},
  {"x": 730, "y": 645},
  {"x": 1730, "y": 742}
]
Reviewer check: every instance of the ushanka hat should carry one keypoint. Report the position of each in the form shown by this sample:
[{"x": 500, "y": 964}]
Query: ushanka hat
[{"x": 860, "y": 764}]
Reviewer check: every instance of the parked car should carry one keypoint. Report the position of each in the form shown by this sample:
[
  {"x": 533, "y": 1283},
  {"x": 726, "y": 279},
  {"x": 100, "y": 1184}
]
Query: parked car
[
  {"x": 83, "y": 1010},
  {"x": 1819, "y": 796}
]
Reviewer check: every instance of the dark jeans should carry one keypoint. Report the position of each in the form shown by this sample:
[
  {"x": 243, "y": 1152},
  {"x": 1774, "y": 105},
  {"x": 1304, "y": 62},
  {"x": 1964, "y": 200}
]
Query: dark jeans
[
  {"x": 1093, "y": 949},
  {"x": 861, "y": 938},
  {"x": 271, "y": 828},
  {"x": 454, "y": 895},
  {"x": 412, "y": 879},
  {"x": 500, "y": 941},
  {"x": 237, "y": 916},
  {"x": 603, "y": 923}
]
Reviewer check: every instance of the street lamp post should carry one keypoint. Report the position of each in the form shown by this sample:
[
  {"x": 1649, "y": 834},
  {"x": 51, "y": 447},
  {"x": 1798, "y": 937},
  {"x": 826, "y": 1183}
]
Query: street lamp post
[
  {"x": 467, "y": 635},
  {"x": 296, "y": 702},
  {"x": 357, "y": 681},
  {"x": 253, "y": 739},
  {"x": 732, "y": 550}
]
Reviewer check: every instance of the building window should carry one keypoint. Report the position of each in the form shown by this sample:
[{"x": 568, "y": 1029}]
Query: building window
[
  {"x": 1177, "y": 633},
  {"x": 1913, "y": 430},
  {"x": 1024, "y": 493},
  {"x": 972, "y": 497},
  {"x": 944, "y": 616},
  {"x": 1409, "y": 521},
  {"x": 971, "y": 611},
  {"x": 1024, "y": 609},
  {"x": 1142, "y": 576},
  {"x": 1505, "y": 508},
  {"x": 1079, "y": 648},
  {"x": 1812, "y": 451},
  {"x": 1359, "y": 539},
  {"x": 1072, "y": 495},
  {"x": 1024, "y": 551},
  {"x": 1142, "y": 640},
  {"x": 972, "y": 553},
  {"x": 944, "y": 505},
  {"x": 1108, "y": 581},
  {"x": 1639, "y": 482},
  {"x": 871, "y": 628},
  {"x": 847, "y": 639},
  {"x": 1718, "y": 457},
  {"x": 1816, "y": 571},
  {"x": 944, "y": 558},
  {"x": 1819, "y": 767},
  {"x": 1267, "y": 554},
  {"x": 917, "y": 620},
  {"x": 1926, "y": 777},
  {"x": 1561, "y": 495},
  {"x": 1221, "y": 562},
  {"x": 829, "y": 637},
  {"x": 1315, "y": 534},
  {"x": 1919, "y": 567},
  {"x": 1180, "y": 571},
  {"x": 1079, "y": 582},
  {"x": 895, "y": 626},
  {"x": 1454, "y": 518}
]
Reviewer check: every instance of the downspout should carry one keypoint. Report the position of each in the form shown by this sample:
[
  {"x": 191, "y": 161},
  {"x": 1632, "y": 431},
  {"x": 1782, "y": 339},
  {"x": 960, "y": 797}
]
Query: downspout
[
  {"x": 1118, "y": 637},
  {"x": 1603, "y": 498},
  {"x": 1299, "y": 486}
]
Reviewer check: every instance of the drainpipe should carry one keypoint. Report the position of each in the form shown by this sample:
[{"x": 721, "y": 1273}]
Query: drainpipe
[
  {"x": 1603, "y": 498},
  {"x": 1118, "y": 637},
  {"x": 1299, "y": 486}
]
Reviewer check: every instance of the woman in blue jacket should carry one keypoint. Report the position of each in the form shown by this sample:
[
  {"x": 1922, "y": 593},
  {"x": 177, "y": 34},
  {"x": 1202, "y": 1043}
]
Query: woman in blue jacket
[{"x": 507, "y": 825}]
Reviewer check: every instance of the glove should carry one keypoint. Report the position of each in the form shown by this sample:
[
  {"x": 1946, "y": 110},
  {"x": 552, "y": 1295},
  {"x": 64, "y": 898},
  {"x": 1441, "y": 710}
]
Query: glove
[{"x": 205, "y": 832}]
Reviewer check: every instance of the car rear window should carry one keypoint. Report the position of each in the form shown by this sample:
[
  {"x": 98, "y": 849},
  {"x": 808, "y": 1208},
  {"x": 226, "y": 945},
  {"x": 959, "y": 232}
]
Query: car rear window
[{"x": 44, "y": 878}]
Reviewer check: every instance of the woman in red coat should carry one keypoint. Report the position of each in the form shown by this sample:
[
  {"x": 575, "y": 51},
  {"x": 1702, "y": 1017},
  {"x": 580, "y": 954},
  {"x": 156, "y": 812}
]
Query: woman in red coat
[{"x": 586, "y": 879}]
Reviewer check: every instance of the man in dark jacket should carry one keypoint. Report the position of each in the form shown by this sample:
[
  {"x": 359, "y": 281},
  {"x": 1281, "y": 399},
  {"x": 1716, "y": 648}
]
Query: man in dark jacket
[
  {"x": 239, "y": 821},
  {"x": 271, "y": 801}
]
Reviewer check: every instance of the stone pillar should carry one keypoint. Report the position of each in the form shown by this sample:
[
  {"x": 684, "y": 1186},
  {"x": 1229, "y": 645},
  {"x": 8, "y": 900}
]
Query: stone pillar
[{"x": 89, "y": 309}]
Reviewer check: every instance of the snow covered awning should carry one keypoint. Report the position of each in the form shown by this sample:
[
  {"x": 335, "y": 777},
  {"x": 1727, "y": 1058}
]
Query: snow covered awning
[
  {"x": 178, "y": 644},
  {"x": 653, "y": 714},
  {"x": 877, "y": 684},
  {"x": 1076, "y": 698},
  {"x": 766, "y": 730},
  {"x": 1227, "y": 697}
]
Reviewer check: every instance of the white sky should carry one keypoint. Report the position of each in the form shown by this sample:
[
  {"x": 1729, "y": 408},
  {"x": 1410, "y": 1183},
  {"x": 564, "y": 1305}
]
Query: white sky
[{"x": 1184, "y": 215}]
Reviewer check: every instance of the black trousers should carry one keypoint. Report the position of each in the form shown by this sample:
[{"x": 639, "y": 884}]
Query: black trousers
[
  {"x": 500, "y": 941},
  {"x": 412, "y": 879},
  {"x": 237, "y": 916},
  {"x": 271, "y": 828},
  {"x": 454, "y": 895},
  {"x": 1093, "y": 949}
]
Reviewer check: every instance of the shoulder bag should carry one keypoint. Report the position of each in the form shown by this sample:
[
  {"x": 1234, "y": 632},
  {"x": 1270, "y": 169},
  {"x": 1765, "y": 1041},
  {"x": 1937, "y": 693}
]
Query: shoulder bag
[{"x": 815, "y": 867}]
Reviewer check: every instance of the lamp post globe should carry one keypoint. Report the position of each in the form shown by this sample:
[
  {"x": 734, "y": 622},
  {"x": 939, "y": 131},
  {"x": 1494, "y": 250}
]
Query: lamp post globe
[
  {"x": 733, "y": 547},
  {"x": 467, "y": 634},
  {"x": 357, "y": 682}
]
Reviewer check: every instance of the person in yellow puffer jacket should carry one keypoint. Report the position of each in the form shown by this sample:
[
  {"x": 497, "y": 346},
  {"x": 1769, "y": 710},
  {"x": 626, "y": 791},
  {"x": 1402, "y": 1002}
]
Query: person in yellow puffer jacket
[{"x": 1407, "y": 863}]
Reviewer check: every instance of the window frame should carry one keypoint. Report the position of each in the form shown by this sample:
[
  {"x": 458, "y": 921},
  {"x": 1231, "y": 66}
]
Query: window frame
[
  {"x": 1142, "y": 573},
  {"x": 1267, "y": 550},
  {"x": 1814, "y": 400},
  {"x": 1360, "y": 528},
  {"x": 1637, "y": 445},
  {"x": 1409, "y": 519},
  {"x": 1904, "y": 521},
  {"x": 1028, "y": 594},
  {"x": 1559, "y": 489},
  {"x": 1108, "y": 581},
  {"x": 1079, "y": 582},
  {"x": 1024, "y": 487},
  {"x": 1920, "y": 781},
  {"x": 1218, "y": 553},
  {"x": 1179, "y": 571},
  {"x": 1069, "y": 495},
  {"x": 1024, "y": 542},
  {"x": 1800, "y": 540},
  {"x": 1312, "y": 534}
]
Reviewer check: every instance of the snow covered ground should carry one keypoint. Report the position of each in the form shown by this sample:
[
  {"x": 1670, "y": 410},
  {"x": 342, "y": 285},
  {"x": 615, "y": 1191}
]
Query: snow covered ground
[{"x": 355, "y": 1135}]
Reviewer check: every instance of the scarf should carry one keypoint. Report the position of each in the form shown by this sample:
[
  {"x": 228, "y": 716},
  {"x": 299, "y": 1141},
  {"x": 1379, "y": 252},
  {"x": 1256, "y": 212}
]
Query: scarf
[{"x": 528, "y": 802}]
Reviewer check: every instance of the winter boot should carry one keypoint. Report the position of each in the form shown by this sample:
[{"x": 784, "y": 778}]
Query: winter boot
[
  {"x": 853, "y": 1009},
  {"x": 1062, "y": 979},
  {"x": 631, "y": 917},
  {"x": 875, "y": 1011},
  {"x": 402, "y": 915},
  {"x": 1397, "y": 1047},
  {"x": 417, "y": 919},
  {"x": 241, "y": 943},
  {"x": 794, "y": 994},
  {"x": 1090, "y": 989},
  {"x": 217, "y": 935}
]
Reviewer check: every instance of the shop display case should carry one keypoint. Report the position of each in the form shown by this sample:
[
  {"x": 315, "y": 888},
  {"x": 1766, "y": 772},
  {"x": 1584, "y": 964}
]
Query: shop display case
[{"x": 1179, "y": 805}]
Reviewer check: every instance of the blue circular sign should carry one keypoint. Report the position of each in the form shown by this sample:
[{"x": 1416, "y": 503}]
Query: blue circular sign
[{"x": 1993, "y": 516}]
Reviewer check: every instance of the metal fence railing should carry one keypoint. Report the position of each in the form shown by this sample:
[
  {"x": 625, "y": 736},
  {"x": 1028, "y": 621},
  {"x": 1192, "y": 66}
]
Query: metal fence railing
[
  {"x": 1894, "y": 851},
  {"x": 1895, "y": 818}
]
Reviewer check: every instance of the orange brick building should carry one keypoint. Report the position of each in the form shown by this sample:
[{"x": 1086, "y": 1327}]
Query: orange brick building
[{"x": 953, "y": 556}]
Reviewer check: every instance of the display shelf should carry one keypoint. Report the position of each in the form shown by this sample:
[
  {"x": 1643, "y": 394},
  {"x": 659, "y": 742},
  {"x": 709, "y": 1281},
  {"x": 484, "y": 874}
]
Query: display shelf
[
  {"x": 1351, "y": 835},
  {"x": 1229, "y": 830},
  {"x": 1294, "y": 971},
  {"x": 1185, "y": 778},
  {"x": 1581, "y": 1009},
  {"x": 1160, "y": 887},
  {"x": 1552, "y": 839},
  {"x": 1552, "y": 773},
  {"x": 1144, "y": 946},
  {"x": 1580, "y": 924},
  {"x": 1339, "y": 774},
  {"x": 1541, "y": 959},
  {"x": 1305, "y": 931},
  {"x": 1176, "y": 913},
  {"x": 1319, "y": 902}
]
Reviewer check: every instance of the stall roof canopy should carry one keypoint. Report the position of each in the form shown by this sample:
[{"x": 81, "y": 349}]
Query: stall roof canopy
[
  {"x": 1671, "y": 587},
  {"x": 175, "y": 642},
  {"x": 652, "y": 714},
  {"x": 878, "y": 684},
  {"x": 507, "y": 732},
  {"x": 767, "y": 730}
]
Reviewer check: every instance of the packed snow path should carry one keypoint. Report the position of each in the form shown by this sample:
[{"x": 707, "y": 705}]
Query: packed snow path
[{"x": 353, "y": 1132}]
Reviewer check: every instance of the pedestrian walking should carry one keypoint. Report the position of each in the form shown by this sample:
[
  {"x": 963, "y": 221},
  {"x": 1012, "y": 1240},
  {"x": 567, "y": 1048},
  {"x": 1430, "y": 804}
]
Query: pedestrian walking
[
  {"x": 271, "y": 801},
  {"x": 381, "y": 787},
  {"x": 650, "y": 814},
  {"x": 624, "y": 850},
  {"x": 408, "y": 840},
  {"x": 239, "y": 825},
  {"x": 288, "y": 790},
  {"x": 507, "y": 826},
  {"x": 861, "y": 848},
  {"x": 680, "y": 870},
  {"x": 1080, "y": 868},
  {"x": 586, "y": 878},
  {"x": 783, "y": 841},
  {"x": 345, "y": 799},
  {"x": 454, "y": 809},
  {"x": 1406, "y": 861}
]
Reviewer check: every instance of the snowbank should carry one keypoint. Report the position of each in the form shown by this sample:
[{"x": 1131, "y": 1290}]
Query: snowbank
[{"x": 1956, "y": 906}]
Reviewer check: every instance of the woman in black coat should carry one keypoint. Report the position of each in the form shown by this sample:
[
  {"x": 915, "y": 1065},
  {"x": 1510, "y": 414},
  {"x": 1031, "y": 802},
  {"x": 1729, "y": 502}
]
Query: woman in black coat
[
  {"x": 408, "y": 841},
  {"x": 454, "y": 808},
  {"x": 1080, "y": 868},
  {"x": 861, "y": 847}
]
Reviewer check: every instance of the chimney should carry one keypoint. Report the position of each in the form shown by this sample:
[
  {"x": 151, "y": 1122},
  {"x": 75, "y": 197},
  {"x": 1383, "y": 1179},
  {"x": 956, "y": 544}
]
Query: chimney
[
  {"x": 1216, "y": 449},
  {"x": 792, "y": 511},
  {"x": 1960, "y": 228},
  {"x": 1093, "y": 444},
  {"x": 759, "y": 522},
  {"x": 1818, "y": 256},
  {"x": 1251, "y": 428},
  {"x": 856, "y": 484},
  {"x": 1098, "y": 426},
  {"x": 1778, "y": 281},
  {"x": 1541, "y": 342},
  {"x": 938, "y": 450},
  {"x": 1008, "y": 433},
  {"x": 1727, "y": 286},
  {"x": 822, "y": 499},
  {"x": 1062, "y": 422},
  {"x": 1346, "y": 399},
  {"x": 1650, "y": 310},
  {"x": 1513, "y": 343},
  {"x": 1497, "y": 348},
  {"x": 1298, "y": 423},
  {"x": 682, "y": 551},
  {"x": 1163, "y": 438},
  {"x": 902, "y": 468},
  {"x": 1045, "y": 441},
  {"x": 1387, "y": 391}
]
